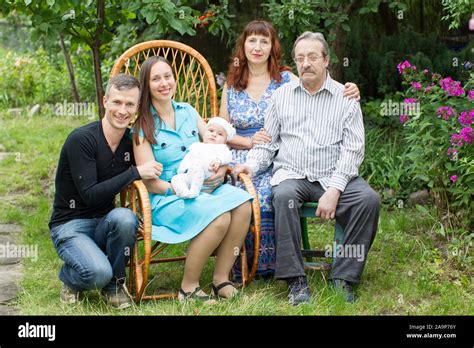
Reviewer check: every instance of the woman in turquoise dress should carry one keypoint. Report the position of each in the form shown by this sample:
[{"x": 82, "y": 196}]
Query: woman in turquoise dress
[
  {"x": 215, "y": 220},
  {"x": 254, "y": 74}
]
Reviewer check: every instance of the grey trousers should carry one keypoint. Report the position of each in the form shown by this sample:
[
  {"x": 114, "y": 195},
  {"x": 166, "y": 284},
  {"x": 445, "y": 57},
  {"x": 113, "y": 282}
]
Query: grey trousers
[{"x": 357, "y": 212}]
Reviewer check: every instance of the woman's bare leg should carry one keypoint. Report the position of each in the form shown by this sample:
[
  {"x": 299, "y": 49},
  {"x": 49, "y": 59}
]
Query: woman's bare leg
[
  {"x": 201, "y": 248},
  {"x": 230, "y": 246}
]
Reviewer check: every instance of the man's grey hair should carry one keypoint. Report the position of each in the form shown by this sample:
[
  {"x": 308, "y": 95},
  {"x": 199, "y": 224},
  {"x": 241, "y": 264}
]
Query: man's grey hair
[
  {"x": 309, "y": 35},
  {"x": 122, "y": 82}
]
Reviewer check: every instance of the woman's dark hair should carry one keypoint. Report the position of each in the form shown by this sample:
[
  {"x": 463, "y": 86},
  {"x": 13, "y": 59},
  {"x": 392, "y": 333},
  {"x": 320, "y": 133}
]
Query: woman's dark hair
[
  {"x": 238, "y": 74},
  {"x": 145, "y": 119}
]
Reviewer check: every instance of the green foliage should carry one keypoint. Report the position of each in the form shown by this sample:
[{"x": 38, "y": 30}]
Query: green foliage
[
  {"x": 439, "y": 141},
  {"x": 219, "y": 20},
  {"x": 375, "y": 115},
  {"x": 457, "y": 10},
  {"x": 31, "y": 79},
  {"x": 385, "y": 165},
  {"x": 293, "y": 17},
  {"x": 373, "y": 57},
  {"x": 167, "y": 16}
]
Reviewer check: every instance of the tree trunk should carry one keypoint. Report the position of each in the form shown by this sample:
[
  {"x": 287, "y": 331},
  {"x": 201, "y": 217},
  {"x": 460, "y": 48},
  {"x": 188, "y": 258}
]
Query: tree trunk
[
  {"x": 70, "y": 69},
  {"x": 99, "y": 92},
  {"x": 96, "y": 56},
  {"x": 389, "y": 19},
  {"x": 339, "y": 42}
]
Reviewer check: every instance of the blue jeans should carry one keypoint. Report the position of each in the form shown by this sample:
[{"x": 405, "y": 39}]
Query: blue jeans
[{"x": 95, "y": 251}]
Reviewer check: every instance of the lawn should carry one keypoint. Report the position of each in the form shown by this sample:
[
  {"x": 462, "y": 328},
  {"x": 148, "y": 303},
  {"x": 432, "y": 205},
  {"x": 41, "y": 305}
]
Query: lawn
[{"x": 408, "y": 270}]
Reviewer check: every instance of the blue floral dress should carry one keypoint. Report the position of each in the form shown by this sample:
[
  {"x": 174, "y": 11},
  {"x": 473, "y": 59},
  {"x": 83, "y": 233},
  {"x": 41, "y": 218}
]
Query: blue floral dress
[{"x": 248, "y": 117}]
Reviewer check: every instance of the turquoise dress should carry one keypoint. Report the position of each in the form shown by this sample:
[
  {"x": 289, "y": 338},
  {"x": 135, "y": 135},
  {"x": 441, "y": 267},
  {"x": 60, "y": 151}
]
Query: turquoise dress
[{"x": 175, "y": 219}]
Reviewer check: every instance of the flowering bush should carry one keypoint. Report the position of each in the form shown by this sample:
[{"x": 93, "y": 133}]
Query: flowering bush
[{"x": 440, "y": 137}]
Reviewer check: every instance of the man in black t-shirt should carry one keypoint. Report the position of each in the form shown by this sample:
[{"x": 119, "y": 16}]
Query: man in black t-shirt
[{"x": 93, "y": 238}]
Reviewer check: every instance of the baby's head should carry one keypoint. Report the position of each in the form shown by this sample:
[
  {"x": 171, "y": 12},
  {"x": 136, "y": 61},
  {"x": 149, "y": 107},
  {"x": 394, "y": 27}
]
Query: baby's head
[{"x": 218, "y": 131}]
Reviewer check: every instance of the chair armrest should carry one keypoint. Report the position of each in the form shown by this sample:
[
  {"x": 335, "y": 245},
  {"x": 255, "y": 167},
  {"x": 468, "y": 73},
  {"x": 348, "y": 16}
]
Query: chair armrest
[
  {"x": 135, "y": 193},
  {"x": 255, "y": 227}
]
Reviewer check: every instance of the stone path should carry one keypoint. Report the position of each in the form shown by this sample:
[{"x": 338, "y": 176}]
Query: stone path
[
  {"x": 10, "y": 268},
  {"x": 10, "y": 265}
]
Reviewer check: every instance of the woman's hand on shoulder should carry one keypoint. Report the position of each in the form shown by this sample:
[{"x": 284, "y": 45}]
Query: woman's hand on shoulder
[{"x": 351, "y": 91}]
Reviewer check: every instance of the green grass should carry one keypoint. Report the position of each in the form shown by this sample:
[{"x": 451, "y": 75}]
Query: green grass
[{"x": 407, "y": 271}]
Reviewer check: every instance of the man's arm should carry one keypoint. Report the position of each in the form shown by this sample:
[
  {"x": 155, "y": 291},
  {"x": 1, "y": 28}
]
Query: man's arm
[
  {"x": 261, "y": 156},
  {"x": 144, "y": 157},
  {"x": 352, "y": 149},
  {"x": 81, "y": 157}
]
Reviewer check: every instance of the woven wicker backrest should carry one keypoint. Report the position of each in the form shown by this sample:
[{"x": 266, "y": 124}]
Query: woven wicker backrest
[{"x": 195, "y": 83}]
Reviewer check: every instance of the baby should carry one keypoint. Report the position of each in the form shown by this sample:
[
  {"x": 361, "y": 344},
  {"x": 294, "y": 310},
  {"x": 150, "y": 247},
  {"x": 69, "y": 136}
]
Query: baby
[{"x": 203, "y": 157}]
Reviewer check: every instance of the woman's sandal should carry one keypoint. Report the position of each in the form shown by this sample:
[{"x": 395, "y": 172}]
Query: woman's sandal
[
  {"x": 216, "y": 289},
  {"x": 197, "y": 294}
]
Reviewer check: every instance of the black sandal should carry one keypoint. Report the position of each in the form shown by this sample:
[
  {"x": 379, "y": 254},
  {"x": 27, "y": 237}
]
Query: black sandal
[
  {"x": 216, "y": 289},
  {"x": 192, "y": 295}
]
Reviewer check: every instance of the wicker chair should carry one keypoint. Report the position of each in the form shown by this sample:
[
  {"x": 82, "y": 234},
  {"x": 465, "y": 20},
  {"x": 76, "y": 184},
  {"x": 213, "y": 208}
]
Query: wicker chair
[{"x": 195, "y": 85}]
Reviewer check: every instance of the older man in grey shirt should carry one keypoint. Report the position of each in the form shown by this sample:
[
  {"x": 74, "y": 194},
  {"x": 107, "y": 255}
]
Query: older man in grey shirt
[{"x": 317, "y": 147}]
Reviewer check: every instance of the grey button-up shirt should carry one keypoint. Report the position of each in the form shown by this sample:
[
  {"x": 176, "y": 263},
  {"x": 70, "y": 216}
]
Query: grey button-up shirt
[{"x": 315, "y": 136}]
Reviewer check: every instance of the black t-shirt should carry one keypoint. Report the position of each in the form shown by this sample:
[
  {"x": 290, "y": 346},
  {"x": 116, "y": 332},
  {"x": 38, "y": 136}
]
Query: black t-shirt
[{"x": 90, "y": 175}]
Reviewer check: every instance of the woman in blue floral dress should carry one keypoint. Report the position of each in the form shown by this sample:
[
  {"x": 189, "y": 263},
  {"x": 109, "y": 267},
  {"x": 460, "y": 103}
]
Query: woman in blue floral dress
[{"x": 254, "y": 74}]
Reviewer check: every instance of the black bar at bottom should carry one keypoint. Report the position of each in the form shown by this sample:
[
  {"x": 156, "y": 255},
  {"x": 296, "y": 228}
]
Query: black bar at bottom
[{"x": 102, "y": 330}]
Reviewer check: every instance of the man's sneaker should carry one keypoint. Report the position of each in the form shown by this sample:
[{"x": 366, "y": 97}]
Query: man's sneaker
[
  {"x": 298, "y": 291},
  {"x": 69, "y": 295},
  {"x": 345, "y": 288},
  {"x": 118, "y": 298}
]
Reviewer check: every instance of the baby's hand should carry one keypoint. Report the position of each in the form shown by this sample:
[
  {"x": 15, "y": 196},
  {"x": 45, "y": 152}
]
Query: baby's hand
[{"x": 214, "y": 165}]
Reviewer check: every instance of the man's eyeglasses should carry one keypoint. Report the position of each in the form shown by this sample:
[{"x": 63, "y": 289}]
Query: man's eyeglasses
[{"x": 312, "y": 58}]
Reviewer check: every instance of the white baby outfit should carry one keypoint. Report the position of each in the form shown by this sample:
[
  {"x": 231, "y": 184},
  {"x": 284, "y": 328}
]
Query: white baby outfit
[{"x": 194, "y": 168}]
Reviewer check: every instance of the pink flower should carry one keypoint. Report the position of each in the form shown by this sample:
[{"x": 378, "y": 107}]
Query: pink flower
[
  {"x": 402, "y": 66},
  {"x": 409, "y": 100},
  {"x": 445, "y": 112},
  {"x": 470, "y": 94},
  {"x": 466, "y": 134},
  {"x": 425, "y": 71},
  {"x": 453, "y": 178},
  {"x": 416, "y": 85},
  {"x": 453, "y": 88},
  {"x": 465, "y": 118},
  {"x": 403, "y": 119},
  {"x": 456, "y": 139}
]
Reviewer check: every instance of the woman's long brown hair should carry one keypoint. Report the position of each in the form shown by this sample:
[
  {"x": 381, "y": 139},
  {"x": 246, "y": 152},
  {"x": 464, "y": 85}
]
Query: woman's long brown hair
[
  {"x": 238, "y": 75},
  {"x": 145, "y": 119}
]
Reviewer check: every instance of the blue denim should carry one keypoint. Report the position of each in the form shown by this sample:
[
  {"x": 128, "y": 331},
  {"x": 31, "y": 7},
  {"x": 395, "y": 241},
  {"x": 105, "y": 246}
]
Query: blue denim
[{"x": 95, "y": 251}]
